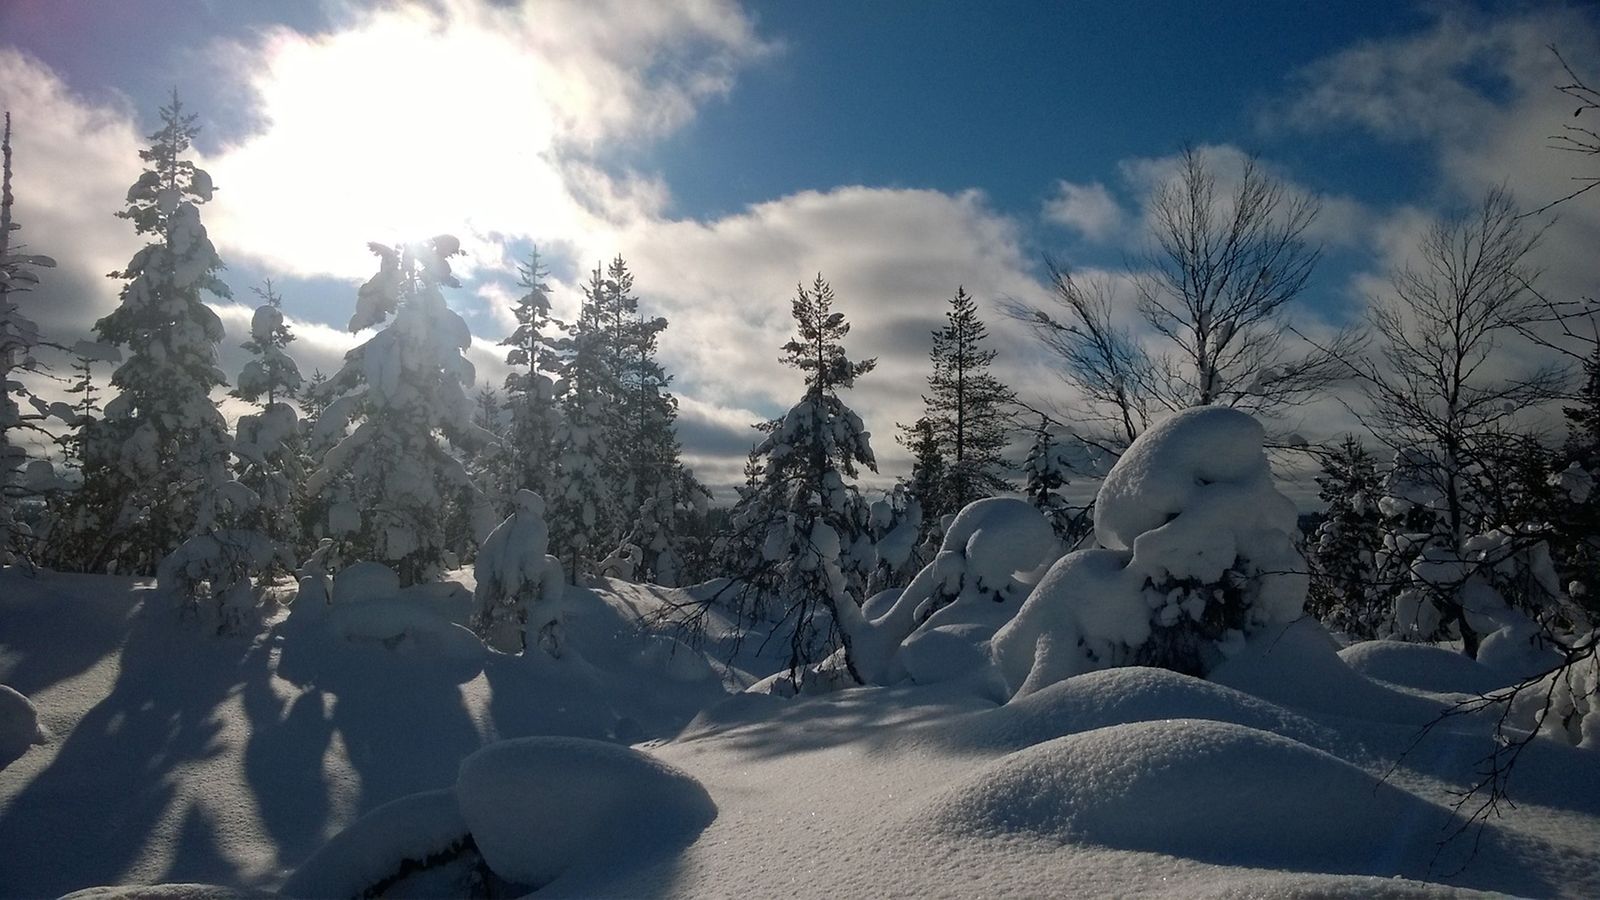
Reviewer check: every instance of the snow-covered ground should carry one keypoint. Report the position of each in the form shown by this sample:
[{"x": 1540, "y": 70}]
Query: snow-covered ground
[{"x": 174, "y": 755}]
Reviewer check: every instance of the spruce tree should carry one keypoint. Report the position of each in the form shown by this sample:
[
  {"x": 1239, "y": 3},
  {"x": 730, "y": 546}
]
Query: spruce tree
[
  {"x": 162, "y": 448},
  {"x": 1345, "y": 592},
  {"x": 966, "y": 408},
  {"x": 1046, "y": 472},
  {"x": 267, "y": 443},
  {"x": 19, "y": 337},
  {"x": 405, "y": 387},
  {"x": 537, "y": 347},
  {"x": 583, "y": 506}
]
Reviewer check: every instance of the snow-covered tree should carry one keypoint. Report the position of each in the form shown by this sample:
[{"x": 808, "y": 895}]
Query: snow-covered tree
[
  {"x": 1438, "y": 402},
  {"x": 19, "y": 338},
  {"x": 518, "y": 597},
  {"x": 267, "y": 443},
  {"x": 1196, "y": 554},
  {"x": 803, "y": 514},
  {"x": 1046, "y": 470},
  {"x": 405, "y": 390},
  {"x": 584, "y": 503},
  {"x": 1345, "y": 593},
  {"x": 163, "y": 446},
  {"x": 538, "y": 346},
  {"x": 966, "y": 408}
]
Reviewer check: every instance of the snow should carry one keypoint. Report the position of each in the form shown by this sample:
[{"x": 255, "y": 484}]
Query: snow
[
  {"x": 538, "y": 807},
  {"x": 19, "y": 726},
  {"x": 302, "y": 761},
  {"x": 1422, "y": 666},
  {"x": 373, "y": 847},
  {"x": 1187, "y": 516},
  {"x": 1213, "y": 791}
]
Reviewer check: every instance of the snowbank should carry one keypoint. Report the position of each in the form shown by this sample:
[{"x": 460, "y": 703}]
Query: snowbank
[
  {"x": 539, "y": 806},
  {"x": 1213, "y": 791},
  {"x": 1134, "y": 694},
  {"x": 19, "y": 726},
  {"x": 1298, "y": 665},
  {"x": 1425, "y": 667}
]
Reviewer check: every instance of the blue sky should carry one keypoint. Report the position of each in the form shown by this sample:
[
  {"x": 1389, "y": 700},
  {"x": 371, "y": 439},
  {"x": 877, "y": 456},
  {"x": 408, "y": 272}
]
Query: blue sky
[{"x": 731, "y": 150}]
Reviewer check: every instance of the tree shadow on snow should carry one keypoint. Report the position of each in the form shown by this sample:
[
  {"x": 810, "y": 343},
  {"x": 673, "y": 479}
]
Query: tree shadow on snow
[
  {"x": 40, "y": 609},
  {"x": 87, "y": 819}
]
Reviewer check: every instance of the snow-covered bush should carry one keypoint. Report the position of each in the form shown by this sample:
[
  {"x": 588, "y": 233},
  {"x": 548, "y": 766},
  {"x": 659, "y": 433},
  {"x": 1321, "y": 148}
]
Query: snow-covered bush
[
  {"x": 518, "y": 598},
  {"x": 992, "y": 555},
  {"x": 1196, "y": 553},
  {"x": 214, "y": 575}
]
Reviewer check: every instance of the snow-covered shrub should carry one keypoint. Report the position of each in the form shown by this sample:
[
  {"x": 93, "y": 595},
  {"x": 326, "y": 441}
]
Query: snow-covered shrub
[
  {"x": 1342, "y": 557},
  {"x": 214, "y": 575},
  {"x": 518, "y": 598},
  {"x": 992, "y": 555},
  {"x": 1565, "y": 703},
  {"x": 1196, "y": 553}
]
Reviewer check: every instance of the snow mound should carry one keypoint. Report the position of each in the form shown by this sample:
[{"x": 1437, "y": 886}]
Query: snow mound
[
  {"x": 377, "y": 845},
  {"x": 1136, "y": 694},
  {"x": 1212, "y": 791},
  {"x": 1298, "y": 665},
  {"x": 407, "y": 628},
  {"x": 19, "y": 726},
  {"x": 1425, "y": 667},
  {"x": 538, "y": 807}
]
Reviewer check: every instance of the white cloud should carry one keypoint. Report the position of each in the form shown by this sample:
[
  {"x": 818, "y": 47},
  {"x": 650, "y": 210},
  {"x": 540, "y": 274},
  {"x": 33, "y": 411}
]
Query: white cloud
[
  {"x": 463, "y": 117},
  {"x": 1088, "y": 209}
]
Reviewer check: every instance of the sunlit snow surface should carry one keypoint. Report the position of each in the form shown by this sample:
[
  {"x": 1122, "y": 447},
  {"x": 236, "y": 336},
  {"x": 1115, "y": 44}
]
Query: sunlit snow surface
[{"x": 178, "y": 756}]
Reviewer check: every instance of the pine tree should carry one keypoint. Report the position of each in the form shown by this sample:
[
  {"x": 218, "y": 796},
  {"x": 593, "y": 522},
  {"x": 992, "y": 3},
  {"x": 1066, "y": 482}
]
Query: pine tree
[
  {"x": 965, "y": 407},
  {"x": 537, "y": 347},
  {"x": 1345, "y": 590},
  {"x": 406, "y": 388},
  {"x": 268, "y": 443},
  {"x": 163, "y": 445},
  {"x": 804, "y": 513},
  {"x": 19, "y": 337}
]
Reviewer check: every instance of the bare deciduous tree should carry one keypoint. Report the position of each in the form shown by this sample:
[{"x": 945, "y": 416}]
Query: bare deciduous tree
[{"x": 1214, "y": 286}]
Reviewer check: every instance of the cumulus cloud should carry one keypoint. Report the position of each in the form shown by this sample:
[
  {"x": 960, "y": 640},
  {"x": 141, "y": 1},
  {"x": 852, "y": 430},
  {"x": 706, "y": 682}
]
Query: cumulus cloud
[
  {"x": 73, "y": 162},
  {"x": 1088, "y": 209}
]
